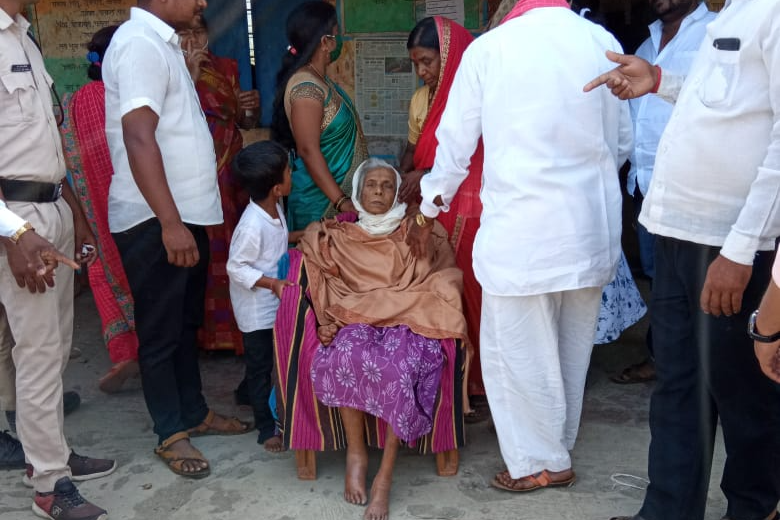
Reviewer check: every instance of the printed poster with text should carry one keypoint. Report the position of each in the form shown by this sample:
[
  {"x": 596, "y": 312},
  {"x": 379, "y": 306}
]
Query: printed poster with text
[{"x": 384, "y": 84}]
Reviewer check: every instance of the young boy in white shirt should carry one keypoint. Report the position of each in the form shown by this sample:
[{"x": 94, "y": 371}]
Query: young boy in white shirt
[{"x": 259, "y": 242}]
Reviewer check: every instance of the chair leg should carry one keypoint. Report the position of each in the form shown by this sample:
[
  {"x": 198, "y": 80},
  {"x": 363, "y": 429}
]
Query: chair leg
[
  {"x": 306, "y": 462},
  {"x": 447, "y": 463}
]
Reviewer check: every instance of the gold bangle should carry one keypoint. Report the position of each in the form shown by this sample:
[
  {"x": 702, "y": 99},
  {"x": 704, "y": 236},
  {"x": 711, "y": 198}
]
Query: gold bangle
[
  {"x": 21, "y": 231},
  {"x": 340, "y": 202}
]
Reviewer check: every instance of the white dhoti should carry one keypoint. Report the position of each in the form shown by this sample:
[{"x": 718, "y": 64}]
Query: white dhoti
[{"x": 535, "y": 353}]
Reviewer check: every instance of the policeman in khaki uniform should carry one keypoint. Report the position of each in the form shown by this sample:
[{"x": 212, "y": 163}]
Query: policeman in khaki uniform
[{"x": 36, "y": 321}]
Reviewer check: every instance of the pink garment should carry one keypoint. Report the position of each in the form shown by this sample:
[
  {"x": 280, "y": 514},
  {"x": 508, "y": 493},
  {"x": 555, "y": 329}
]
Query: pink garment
[{"x": 523, "y": 6}]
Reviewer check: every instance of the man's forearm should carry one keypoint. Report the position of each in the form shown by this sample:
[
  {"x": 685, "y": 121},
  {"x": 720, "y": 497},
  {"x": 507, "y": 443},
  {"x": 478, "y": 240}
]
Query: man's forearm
[{"x": 768, "y": 319}]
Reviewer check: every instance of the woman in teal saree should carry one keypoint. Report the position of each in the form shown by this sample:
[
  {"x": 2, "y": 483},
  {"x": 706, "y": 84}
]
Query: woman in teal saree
[{"x": 316, "y": 119}]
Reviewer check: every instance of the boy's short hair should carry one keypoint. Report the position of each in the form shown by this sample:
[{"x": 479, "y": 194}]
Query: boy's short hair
[{"x": 259, "y": 167}]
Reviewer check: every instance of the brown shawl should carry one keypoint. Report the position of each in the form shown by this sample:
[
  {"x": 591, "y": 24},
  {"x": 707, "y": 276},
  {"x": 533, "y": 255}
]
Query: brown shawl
[{"x": 356, "y": 277}]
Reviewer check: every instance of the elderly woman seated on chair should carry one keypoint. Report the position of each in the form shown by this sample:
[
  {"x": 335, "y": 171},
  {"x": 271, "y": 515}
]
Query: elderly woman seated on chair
[{"x": 382, "y": 315}]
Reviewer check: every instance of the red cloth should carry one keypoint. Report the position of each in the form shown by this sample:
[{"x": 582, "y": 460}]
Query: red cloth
[
  {"x": 89, "y": 163},
  {"x": 217, "y": 90},
  {"x": 462, "y": 221},
  {"x": 523, "y": 6}
]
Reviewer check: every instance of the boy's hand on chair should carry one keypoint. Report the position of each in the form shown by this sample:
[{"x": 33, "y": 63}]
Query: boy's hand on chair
[{"x": 326, "y": 333}]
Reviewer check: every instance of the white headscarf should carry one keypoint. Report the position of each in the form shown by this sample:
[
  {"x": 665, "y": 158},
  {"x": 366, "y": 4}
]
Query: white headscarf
[{"x": 385, "y": 223}]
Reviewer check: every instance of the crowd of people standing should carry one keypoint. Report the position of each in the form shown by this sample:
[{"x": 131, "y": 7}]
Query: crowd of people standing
[{"x": 489, "y": 262}]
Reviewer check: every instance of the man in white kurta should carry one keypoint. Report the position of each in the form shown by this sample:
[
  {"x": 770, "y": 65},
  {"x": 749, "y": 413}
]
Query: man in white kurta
[{"x": 549, "y": 237}]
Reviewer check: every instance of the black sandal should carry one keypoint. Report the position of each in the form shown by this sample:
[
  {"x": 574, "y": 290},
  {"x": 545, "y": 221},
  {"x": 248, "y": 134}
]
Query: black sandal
[{"x": 475, "y": 416}]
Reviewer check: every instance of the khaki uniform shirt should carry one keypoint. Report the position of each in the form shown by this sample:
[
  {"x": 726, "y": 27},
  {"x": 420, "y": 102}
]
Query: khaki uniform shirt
[{"x": 30, "y": 145}]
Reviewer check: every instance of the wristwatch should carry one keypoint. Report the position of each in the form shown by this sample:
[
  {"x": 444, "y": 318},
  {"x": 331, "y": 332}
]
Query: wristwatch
[
  {"x": 754, "y": 334},
  {"x": 422, "y": 220},
  {"x": 21, "y": 231}
]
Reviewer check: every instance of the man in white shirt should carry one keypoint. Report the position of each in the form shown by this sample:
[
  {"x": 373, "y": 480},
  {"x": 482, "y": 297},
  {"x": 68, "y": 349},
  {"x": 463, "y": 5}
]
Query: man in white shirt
[
  {"x": 549, "y": 236},
  {"x": 674, "y": 39},
  {"x": 714, "y": 207},
  {"x": 163, "y": 194}
]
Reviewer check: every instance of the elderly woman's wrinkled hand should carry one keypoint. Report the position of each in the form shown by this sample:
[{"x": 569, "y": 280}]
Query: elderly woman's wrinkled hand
[
  {"x": 418, "y": 238},
  {"x": 326, "y": 333},
  {"x": 633, "y": 77}
]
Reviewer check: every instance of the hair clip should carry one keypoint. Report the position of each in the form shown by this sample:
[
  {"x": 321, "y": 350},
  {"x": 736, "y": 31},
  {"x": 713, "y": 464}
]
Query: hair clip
[
  {"x": 94, "y": 58},
  {"x": 292, "y": 50}
]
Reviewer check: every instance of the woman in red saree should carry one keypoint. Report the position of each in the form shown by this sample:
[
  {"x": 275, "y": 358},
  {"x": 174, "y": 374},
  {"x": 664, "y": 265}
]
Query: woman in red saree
[
  {"x": 436, "y": 46},
  {"x": 227, "y": 109},
  {"x": 89, "y": 164}
]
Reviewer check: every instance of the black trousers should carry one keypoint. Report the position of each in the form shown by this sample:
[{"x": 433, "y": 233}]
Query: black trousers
[
  {"x": 707, "y": 371},
  {"x": 168, "y": 311},
  {"x": 259, "y": 359}
]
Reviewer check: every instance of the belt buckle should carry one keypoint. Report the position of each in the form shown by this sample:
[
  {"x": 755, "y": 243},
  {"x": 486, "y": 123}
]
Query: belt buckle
[{"x": 57, "y": 191}]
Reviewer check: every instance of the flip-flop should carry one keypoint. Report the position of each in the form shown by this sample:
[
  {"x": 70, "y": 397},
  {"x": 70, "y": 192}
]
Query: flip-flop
[{"x": 539, "y": 480}]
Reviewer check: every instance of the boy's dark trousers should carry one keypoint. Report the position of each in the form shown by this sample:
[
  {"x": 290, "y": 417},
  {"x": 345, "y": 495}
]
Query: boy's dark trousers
[{"x": 259, "y": 359}]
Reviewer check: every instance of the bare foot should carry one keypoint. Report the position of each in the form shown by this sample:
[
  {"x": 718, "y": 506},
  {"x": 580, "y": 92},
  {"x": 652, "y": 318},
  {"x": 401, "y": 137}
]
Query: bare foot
[
  {"x": 183, "y": 449},
  {"x": 378, "y": 508},
  {"x": 355, "y": 476},
  {"x": 274, "y": 444}
]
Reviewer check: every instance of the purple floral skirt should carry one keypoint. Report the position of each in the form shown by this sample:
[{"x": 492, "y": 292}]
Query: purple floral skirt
[{"x": 389, "y": 372}]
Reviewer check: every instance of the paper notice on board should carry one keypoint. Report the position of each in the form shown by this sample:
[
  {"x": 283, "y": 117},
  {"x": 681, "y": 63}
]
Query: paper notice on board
[{"x": 452, "y": 9}]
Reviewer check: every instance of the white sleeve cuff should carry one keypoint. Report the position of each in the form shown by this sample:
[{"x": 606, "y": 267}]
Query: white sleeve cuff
[
  {"x": 10, "y": 222},
  {"x": 670, "y": 86},
  {"x": 429, "y": 209},
  {"x": 739, "y": 248}
]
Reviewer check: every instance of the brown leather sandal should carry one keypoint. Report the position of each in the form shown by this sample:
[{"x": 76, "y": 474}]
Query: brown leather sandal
[
  {"x": 234, "y": 427},
  {"x": 537, "y": 481},
  {"x": 176, "y": 463}
]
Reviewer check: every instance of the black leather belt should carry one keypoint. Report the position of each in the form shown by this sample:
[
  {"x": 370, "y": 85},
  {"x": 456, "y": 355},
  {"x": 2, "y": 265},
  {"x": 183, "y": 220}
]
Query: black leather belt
[{"x": 30, "y": 191}]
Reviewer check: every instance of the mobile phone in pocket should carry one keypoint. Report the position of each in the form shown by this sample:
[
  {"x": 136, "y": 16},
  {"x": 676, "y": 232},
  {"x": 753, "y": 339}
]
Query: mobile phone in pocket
[{"x": 726, "y": 44}]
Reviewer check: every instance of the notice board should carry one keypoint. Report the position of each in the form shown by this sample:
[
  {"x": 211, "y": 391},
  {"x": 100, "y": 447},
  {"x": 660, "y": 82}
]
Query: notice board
[{"x": 64, "y": 27}]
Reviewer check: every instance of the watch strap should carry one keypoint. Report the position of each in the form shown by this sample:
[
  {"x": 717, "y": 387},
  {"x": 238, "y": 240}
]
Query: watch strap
[{"x": 757, "y": 336}]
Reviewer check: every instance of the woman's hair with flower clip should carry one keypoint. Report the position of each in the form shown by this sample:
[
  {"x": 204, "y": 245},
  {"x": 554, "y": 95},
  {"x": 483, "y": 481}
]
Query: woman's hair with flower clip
[
  {"x": 306, "y": 26},
  {"x": 97, "y": 50}
]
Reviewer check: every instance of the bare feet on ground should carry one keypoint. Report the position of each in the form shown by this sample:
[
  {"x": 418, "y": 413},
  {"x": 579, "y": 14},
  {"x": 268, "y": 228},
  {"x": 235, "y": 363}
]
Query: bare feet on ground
[
  {"x": 379, "y": 506},
  {"x": 274, "y": 444},
  {"x": 355, "y": 476},
  {"x": 183, "y": 449}
]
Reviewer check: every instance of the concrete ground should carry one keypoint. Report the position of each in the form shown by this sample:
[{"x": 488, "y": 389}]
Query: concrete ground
[{"x": 249, "y": 483}]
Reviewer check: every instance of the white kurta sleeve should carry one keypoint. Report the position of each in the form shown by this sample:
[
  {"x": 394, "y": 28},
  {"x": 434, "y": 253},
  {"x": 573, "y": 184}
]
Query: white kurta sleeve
[
  {"x": 10, "y": 222},
  {"x": 458, "y": 134},
  {"x": 670, "y": 86},
  {"x": 245, "y": 248}
]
